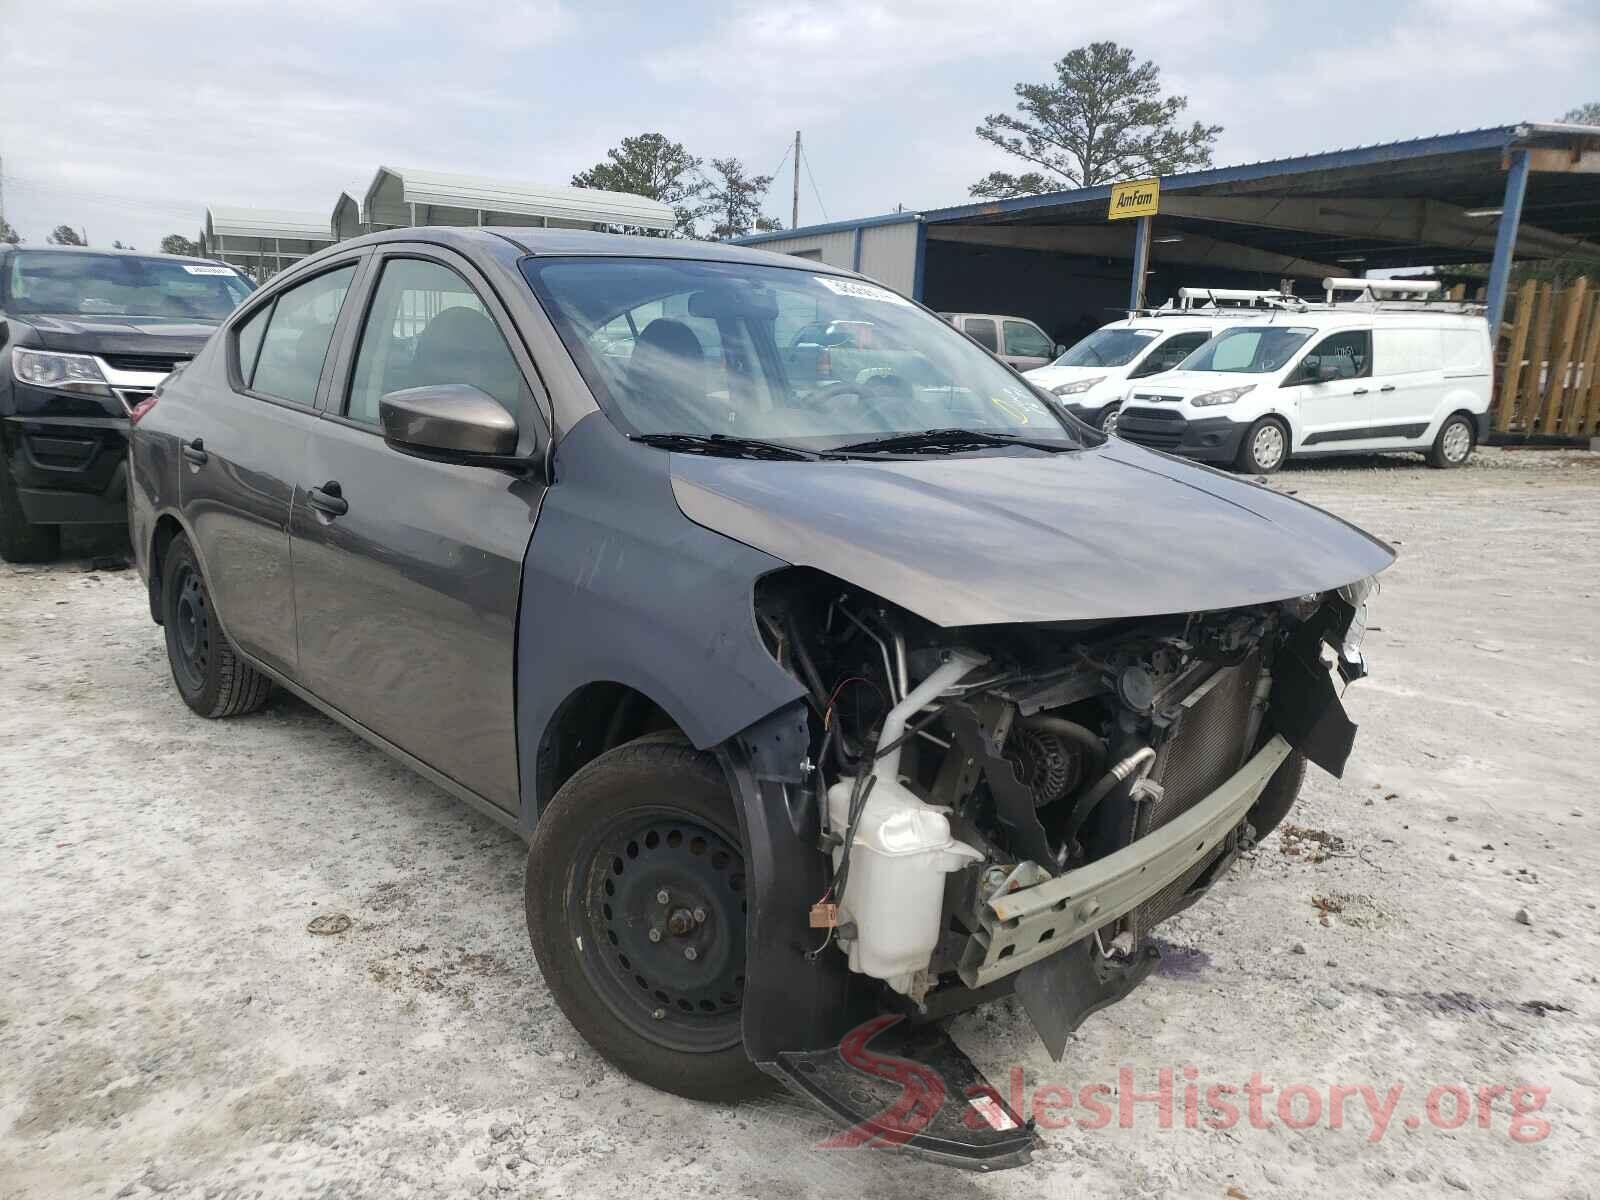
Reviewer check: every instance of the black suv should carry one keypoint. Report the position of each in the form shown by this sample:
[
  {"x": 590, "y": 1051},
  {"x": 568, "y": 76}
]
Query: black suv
[{"x": 85, "y": 336}]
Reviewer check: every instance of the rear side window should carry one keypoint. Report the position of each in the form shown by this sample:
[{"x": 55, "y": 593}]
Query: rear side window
[
  {"x": 1464, "y": 350},
  {"x": 1025, "y": 340},
  {"x": 427, "y": 326},
  {"x": 249, "y": 337},
  {"x": 296, "y": 341},
  {"x": 983, "y": 332},
  {"x": 1406, "y": 351},
  {"x": 1170, "y": 353}
]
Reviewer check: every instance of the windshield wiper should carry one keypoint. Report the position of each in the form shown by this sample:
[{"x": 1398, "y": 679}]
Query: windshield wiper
[
  {"x": 726, "y": 445},
  {"x": 950, "y": 441}
]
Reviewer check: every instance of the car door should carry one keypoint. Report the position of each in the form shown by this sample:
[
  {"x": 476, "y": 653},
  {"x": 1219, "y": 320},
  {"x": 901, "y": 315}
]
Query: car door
[
  {"x": 1409, "y": 383},
  {"x": 1333, "y": 390},
  {"x": 408, "y": 571},
  {"x": 1027, "y": 346},
  {"x": 243, "y": 435}
]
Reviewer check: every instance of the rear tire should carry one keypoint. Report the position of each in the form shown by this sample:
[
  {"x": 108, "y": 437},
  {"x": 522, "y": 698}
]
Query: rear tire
[
  {"x": 1108, "y": 419},
  {"x": 210, "y": 676},
  {"x": 21, "y": 541},
  {"x": 1265, "y": 447},
  {"x": 1454, "y": 443},
  {"x": 657, "y": 988}
]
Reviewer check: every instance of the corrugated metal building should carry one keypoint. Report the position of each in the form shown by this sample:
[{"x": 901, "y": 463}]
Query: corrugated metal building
[
  {"x": 263, "y": 241},
  {"x": 1486, "y": 195},
  {"x": 402, "y": 196}
]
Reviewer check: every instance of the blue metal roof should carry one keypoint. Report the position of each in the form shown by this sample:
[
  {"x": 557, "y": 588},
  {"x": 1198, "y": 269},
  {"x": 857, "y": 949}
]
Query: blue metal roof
[{"x": 1465, "y": 142}]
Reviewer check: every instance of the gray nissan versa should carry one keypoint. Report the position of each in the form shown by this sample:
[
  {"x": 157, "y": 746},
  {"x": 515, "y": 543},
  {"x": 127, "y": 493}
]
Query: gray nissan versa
[
  {"x": 829, "y": 707},
  {"x": 85, "y": 335}
]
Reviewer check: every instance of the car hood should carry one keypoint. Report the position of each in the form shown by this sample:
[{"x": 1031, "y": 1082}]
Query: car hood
[
  {"x": 1192, "y": 383},
  {"x": 1053, "y": 376},
  {"x": 1112, "y": 531},
  {"x": 177, "y": 336}
]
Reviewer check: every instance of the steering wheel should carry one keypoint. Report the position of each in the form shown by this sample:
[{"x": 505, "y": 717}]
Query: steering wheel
[{"x": 865, "y": 399}]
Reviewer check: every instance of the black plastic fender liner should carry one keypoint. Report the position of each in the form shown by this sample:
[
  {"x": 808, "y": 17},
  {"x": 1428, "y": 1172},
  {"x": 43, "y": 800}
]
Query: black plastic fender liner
[
  {"x": 896, "y": 1085},
  {"x": 1059, "y": 993},
  {"x": 793, "y": 999},
  {"x": 1305, "y": 705}
]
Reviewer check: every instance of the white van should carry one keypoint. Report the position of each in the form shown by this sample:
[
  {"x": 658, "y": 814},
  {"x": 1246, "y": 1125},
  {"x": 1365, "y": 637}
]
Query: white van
[
  {"x": 1091, "y": 378},
  {"x": 1337, "y": 378}
]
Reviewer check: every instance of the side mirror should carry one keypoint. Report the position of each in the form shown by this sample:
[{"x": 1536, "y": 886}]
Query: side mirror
[
  {"x": 1059, "y": 349},
  {"x": 450, "y": 422}
]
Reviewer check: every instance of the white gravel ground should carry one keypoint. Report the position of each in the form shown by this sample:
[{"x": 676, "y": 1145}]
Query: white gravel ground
[{"x": 168, "y": 1025}]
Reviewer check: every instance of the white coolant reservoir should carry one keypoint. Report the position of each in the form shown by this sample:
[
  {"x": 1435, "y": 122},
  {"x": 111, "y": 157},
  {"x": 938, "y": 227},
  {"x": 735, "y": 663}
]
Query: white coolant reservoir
[{"x": 901, "y": 852}]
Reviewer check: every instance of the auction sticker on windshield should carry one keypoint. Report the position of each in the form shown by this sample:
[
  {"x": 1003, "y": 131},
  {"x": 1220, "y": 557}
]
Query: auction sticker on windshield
[
  {"x": 193, "y": 270},
  {"x": 856, "y": 290}
]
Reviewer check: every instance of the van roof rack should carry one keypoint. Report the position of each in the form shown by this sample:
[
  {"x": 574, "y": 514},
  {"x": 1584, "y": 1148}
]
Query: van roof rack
[
  {"x": 1206, "y": 301},
  {"x": 1393, "y": 294}
]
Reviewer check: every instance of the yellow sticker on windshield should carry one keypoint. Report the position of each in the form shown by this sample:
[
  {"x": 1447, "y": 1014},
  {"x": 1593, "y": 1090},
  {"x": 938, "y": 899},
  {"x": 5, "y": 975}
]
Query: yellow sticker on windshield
[{"x": 1013, "y": 406}]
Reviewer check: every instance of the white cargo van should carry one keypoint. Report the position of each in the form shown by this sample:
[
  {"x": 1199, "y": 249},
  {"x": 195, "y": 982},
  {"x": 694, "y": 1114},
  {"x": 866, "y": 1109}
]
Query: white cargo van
[
  {"x": 1385, "y": 371},
  {"x": 1091, "y": 377}
]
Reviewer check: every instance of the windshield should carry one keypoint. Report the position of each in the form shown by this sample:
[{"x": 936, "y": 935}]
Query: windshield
[
  {"x": 1107, "y": 348},
  {"x": 1248, "y": 350},
  {"x": 731, "y": 350},
  {"x": 121, "y": 285}
]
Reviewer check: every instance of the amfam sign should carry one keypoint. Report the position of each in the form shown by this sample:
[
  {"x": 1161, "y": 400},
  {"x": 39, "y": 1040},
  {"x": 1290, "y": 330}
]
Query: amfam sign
[{"x": 1135, "y": 198}]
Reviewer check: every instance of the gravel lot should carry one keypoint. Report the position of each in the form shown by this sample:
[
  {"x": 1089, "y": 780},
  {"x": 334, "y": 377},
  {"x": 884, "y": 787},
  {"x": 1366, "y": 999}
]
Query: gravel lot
[{"x": 168, "y": 1024}]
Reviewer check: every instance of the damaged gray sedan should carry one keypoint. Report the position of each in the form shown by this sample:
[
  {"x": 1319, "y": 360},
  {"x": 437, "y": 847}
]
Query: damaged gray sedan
[{"x": 832, "y": 702}]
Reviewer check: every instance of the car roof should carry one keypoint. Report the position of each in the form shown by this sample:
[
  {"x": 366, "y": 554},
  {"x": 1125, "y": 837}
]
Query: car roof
[
  {"x": 552, "y": 243},
  {"x": 120, "y": 252}
]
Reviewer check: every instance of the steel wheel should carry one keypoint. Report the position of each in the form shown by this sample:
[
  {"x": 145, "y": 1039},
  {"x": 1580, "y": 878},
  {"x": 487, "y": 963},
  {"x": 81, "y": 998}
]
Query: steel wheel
[
  {"x": 192, "y": 626},
  {"x": 1108, "y": 423},
  {"x": 1457, "y": 442},
  {"x": 662, "y": 905},
  {"x": 1267, "y": 446}
]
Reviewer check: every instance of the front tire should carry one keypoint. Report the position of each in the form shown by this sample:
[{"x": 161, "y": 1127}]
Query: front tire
[
  {"x": 655, "y": 985},
  {"x": 21, "y": 541},
  {"x": 1108, "y": 419},
  {"x": 1453, "y": 445},
  {"x": 211, "y": 677},
  {"x": 1265, "y": 447}
]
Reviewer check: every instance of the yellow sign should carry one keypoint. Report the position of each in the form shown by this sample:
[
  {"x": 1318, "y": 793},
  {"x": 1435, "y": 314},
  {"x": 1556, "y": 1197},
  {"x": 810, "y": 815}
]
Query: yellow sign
[{"x": 1136, "y": 198}]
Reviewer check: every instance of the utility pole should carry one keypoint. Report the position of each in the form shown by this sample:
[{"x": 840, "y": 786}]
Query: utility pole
[{"x": 794, "y": 212}]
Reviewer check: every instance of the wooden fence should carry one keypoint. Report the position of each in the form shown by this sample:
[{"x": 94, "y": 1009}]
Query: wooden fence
[{"x": 1548, "y": 362}]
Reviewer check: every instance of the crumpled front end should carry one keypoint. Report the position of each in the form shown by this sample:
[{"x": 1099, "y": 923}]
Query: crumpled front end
[{"x": 1015, "y": 808}]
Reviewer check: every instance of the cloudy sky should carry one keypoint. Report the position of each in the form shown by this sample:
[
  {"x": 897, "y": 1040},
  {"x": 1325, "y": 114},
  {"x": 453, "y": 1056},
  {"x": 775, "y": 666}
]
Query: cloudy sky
[{"x": 128, "y": 117}]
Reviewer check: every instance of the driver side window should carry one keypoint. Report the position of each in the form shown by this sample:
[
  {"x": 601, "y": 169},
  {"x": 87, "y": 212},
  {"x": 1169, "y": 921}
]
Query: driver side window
[
  {"x": 1348, "y": 353},
  {"x": 427, "y": 326}
]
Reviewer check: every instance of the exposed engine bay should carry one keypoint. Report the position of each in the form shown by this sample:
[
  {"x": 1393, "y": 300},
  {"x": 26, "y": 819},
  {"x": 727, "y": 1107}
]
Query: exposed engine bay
[{"x": 994, "y": 796}]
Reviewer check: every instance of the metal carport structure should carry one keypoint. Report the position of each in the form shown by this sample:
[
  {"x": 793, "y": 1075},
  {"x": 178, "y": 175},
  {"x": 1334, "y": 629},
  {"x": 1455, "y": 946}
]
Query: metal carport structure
[
  {"x": 262, "y": 241},
  {"x": 1487, "y": 195},
  {"x": 402, "y": 196}
]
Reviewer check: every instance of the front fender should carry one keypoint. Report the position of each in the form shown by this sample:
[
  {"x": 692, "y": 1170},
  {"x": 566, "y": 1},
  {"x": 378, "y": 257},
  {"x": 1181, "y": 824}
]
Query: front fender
[{"x": 620, "y": 587}]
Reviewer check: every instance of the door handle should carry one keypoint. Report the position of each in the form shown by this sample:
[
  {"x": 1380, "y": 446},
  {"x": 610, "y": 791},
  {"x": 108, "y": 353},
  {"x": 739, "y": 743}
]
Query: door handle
[
  {"x": 329, "y": 498},
  {"x": 1388, "y": 387},
  {"x": 1359, "y": 392},
  {"x": 195, "y": 452}
]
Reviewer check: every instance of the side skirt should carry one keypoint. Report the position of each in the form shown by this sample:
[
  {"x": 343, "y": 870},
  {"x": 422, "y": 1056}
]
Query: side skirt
[{"x": 465, "y": 794}]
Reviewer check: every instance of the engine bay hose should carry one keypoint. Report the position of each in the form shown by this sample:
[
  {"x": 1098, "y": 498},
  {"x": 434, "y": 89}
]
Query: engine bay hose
[{"x": 1140, "y": 762}]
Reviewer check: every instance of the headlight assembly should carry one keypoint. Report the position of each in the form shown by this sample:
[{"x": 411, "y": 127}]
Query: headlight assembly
[
  {"x": 1221, "y": 396},
  {"x": 66, "y": 372},
  {"x": 1078, "y": 387}
]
